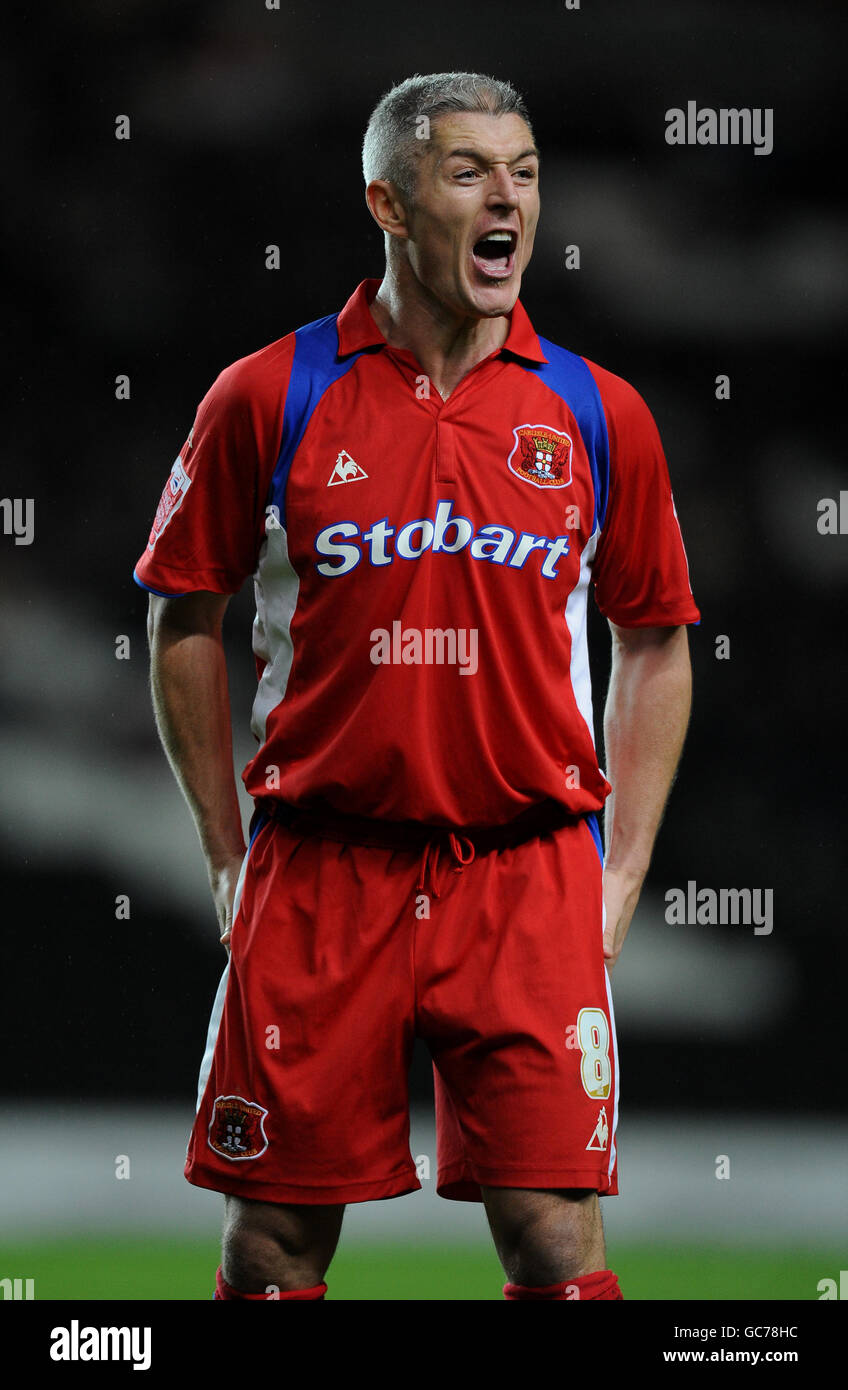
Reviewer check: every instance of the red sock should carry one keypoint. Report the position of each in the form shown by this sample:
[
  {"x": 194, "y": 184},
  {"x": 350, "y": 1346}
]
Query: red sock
[
  {"x": 224, "y": 1291},
  {"x": 602, "y": 1284}
]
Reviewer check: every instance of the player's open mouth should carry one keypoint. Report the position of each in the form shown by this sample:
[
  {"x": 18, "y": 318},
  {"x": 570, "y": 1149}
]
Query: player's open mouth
[{"x": 494, "y": 255}]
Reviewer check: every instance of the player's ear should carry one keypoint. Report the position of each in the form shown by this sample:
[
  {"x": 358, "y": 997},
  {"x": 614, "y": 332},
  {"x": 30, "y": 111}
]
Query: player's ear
[{"x": 387, "y": 207}]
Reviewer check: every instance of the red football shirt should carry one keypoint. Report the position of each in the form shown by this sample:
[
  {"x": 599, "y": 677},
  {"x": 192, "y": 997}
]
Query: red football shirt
[{"x": 422, "y": 566}]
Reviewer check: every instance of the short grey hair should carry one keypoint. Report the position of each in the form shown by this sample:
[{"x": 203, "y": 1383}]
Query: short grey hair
[{"x": 392, "y": 141}]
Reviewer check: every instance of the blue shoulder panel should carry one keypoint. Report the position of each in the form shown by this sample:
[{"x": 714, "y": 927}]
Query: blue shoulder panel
[
  {"x": 567, "y": 375},
  {"x": 316, "y": 366}
]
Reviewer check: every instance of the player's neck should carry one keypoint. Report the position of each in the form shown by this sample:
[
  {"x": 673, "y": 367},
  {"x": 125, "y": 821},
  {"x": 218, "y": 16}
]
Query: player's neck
[{"x": 446, "y": 344}]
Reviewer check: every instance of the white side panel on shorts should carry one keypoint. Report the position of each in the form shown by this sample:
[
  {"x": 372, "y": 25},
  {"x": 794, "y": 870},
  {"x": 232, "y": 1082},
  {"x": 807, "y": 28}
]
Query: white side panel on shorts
[
  {"x": 212, "y": 1035},
  {"x": 218, "y": 1006},
  {"x": 277, "y": 586},
  {"x": 575, "y": 621},
  {"x": 614, "y": 1126}
]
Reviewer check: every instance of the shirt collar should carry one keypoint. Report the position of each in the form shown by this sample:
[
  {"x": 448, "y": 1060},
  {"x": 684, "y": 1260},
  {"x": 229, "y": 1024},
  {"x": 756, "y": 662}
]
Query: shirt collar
[{"x": 357, "y": 327}]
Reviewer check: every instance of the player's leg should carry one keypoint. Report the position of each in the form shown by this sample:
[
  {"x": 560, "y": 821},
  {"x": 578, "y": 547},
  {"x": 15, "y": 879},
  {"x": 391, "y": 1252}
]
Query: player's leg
[
  {"x": 304, "y": 1101},
  {"x": 545, "y": 1237},
  {"x": 526, "y": 1073},
  {"x": 274, "y": 1246}
]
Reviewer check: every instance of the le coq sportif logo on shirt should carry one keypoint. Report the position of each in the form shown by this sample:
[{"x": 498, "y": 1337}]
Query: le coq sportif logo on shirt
[{"x": 343, "y": 545}]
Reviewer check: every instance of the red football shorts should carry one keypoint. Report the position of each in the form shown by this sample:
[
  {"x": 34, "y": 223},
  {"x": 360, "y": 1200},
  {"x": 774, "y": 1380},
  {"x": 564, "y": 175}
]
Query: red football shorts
[{"x": 341, "y": 954}]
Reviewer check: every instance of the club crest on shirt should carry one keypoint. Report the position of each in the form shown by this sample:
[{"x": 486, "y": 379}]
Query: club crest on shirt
[
  {"x": 236, "y": 1129},
  {"x": 541, "y": 456},
  {"x": 175, "y": 490}
]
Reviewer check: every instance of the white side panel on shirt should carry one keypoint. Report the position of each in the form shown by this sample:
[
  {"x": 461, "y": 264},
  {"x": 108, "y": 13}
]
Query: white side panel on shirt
[
  {"x": 575, "y": 621},
  {"x": 277, "y": 587}
]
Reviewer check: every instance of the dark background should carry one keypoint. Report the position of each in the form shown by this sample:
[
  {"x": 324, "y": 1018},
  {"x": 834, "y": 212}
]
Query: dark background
[{"x": 147, "y": 257}]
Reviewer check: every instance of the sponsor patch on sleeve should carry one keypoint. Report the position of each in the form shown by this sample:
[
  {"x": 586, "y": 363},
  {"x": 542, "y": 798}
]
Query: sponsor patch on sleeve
[{"x": 174, "y": 491}]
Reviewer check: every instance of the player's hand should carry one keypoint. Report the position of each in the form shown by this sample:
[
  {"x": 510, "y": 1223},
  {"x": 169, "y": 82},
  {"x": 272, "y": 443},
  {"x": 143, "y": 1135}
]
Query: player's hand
[
  {"x": 223, "y": 879},
  {"x": 621, "y": 894}
]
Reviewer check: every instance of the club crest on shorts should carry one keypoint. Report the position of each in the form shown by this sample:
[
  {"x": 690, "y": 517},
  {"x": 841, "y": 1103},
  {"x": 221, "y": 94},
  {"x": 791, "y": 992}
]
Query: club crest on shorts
[
  {"x": 541, "y": 456},
  {"x": 236, "y": 1129},
  {"x": 600, "y": 1134}
]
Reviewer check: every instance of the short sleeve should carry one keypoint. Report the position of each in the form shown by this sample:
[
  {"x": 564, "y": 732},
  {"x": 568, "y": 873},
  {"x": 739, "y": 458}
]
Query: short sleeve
[
  {"x": 210, "y": 522},
  {"x": 640, "y": 571}
]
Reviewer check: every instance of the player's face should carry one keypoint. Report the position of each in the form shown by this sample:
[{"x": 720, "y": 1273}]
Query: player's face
[{"x": 480, "y": 175}]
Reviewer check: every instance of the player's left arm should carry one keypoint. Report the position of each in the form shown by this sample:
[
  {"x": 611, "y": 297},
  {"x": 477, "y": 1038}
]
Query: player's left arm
[{"x": 645, "y": 721}]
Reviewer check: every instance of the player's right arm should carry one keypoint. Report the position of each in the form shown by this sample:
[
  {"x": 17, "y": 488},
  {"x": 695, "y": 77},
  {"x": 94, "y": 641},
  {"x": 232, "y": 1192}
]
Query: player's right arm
[
  {"x": 188, "y": 676},
  {"x": 642, "y": 587},
  {"x": 206, "y": 538}
]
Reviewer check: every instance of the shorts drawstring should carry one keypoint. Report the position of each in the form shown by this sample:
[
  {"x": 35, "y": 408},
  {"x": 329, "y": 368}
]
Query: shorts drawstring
[
  {"x": 430, "y": 859},
  {"x": 456, "y": 848},
  {"x": 428, "y": 840}
]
